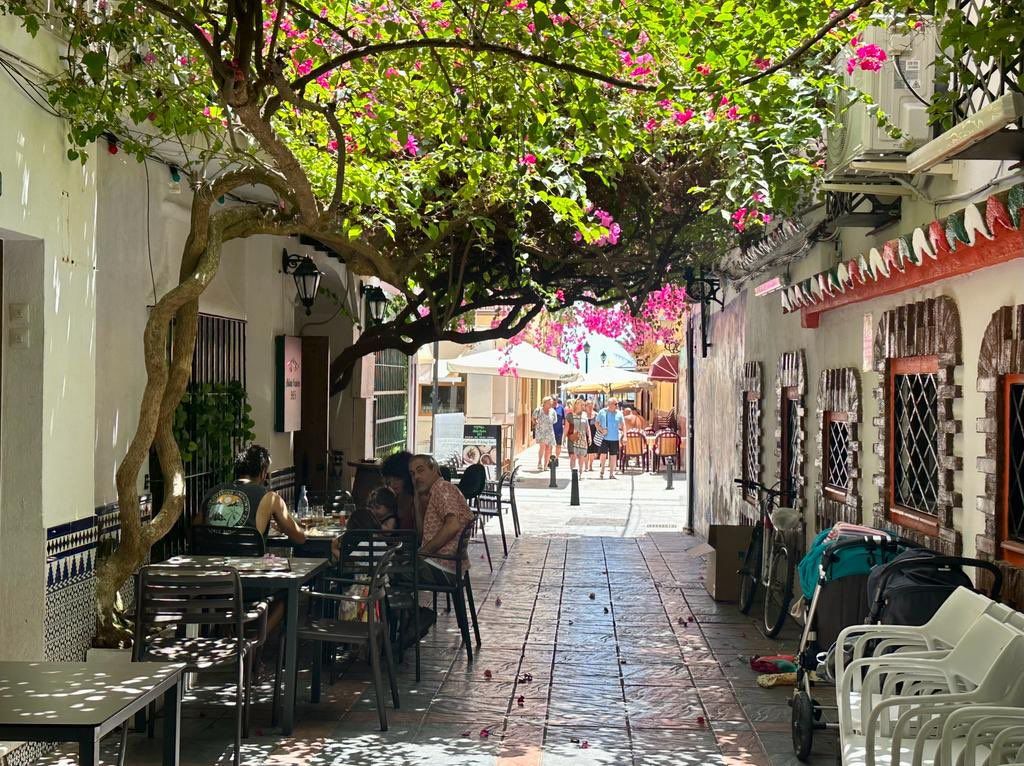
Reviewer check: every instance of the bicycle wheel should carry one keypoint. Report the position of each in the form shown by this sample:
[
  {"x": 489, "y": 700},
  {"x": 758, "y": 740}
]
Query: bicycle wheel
[
  {"x": 750, "y": 572},
  {"x": 779, "y": 589}
]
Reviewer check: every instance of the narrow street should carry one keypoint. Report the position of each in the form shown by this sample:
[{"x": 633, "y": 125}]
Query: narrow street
[{"x": 600, "y": 646}]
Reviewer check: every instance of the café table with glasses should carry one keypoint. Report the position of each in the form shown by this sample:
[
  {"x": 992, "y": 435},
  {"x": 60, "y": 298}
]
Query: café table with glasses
[
  {"x": 262, "y": 576},
  {"x": 82, "y": 702}
]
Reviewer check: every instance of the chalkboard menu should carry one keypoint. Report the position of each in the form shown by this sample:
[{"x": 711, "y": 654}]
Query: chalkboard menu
[{"x": 482, "y": 444}]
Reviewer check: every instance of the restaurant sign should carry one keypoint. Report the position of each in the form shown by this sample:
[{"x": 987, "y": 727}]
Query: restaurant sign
[
  {"x": 288, "y": 383},
  {"x": 482, "y": 444}
]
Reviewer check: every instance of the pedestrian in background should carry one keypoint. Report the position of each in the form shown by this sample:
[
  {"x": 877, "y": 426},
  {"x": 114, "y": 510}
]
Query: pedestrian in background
[
  {"x": 578, "y": 435},
  {"x": 610, "y": 426},
  {"x": 593, "y": 450},
  {"x": 559, "y": 427},
  {"x": 544, "y": 431}
]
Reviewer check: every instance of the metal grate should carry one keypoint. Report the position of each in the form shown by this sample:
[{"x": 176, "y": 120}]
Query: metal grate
[
  {"x": 1015, "y": 441},
  {"x": 750, "y": 451},
  {"x": 915, "y": 441},
  {"x": 792, "y": 449},
  {"x": 837, "y": 474},
  {"x": 979, "y": 79},
  {"x": 391, "y": 401}
]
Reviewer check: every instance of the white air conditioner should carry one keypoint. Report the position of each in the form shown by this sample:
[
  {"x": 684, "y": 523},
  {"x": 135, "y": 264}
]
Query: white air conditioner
[{"x": 905, "y": 80}]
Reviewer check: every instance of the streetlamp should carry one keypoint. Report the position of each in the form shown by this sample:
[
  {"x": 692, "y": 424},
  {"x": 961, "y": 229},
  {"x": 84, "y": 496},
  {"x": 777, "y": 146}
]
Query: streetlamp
[
  {"x": 604, "y": 359},
  {"x": 307, "y": 277},
  {"x": 586, "y": 357},
  {"x": 376, "y": 301}
]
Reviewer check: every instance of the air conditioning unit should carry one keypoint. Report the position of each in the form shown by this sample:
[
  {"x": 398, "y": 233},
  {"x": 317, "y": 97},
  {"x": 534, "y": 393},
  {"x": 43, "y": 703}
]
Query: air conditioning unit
[{"x": 902, "y": 88}]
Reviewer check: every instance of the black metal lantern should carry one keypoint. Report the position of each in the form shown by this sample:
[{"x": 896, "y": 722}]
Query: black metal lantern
[
  {"x": 586, "y": 356},
  {"x": 604, "y": 358},
  {"x": 307, "y": 277},
  {"x": 376, "y": 301}
]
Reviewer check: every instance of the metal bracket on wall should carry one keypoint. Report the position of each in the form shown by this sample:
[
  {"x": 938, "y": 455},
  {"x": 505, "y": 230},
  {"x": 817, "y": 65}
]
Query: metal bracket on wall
[{"x": 704, "y": 290}]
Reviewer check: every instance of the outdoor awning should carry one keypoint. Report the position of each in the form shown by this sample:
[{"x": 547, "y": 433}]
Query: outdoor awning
[
  {"x": 665, "y": 368},
  {"x": 445, "y": 377},
  {"x": 609, "y": 380},
  {"x": 524, "y": 359}
]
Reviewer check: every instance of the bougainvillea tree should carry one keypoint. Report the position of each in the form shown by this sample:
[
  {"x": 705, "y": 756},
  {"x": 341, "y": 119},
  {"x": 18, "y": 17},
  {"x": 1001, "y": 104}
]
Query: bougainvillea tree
[{"x": 418, "y": 138}]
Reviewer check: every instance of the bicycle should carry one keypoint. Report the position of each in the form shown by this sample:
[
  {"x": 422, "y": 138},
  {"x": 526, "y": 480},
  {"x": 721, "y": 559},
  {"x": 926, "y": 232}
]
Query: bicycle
[{"x": 773, "y": 565}]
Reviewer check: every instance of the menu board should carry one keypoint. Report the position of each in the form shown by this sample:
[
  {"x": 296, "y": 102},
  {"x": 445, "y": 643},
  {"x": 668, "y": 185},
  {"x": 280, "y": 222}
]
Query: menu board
[
  {"x": 448, "y": 429},
  {"x": 482, "y": 444}
]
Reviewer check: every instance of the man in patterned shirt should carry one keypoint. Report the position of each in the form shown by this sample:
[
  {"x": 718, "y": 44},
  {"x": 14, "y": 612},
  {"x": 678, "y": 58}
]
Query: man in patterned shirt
[{"x": 442, "y": 513}]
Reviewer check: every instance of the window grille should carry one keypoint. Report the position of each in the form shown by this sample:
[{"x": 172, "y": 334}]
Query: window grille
[
  {"x": 790, "y": 420},
  {"x": 915, "y": 465},
  {"x": 1013, "y": 483},
  {"x": 391, "y": 402},
  {"x": 837, "y": 452},
  {"x": 750, "y": 458}
]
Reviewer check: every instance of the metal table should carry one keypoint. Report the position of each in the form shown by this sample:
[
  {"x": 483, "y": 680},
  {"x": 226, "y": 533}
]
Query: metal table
[
  {"x": 82, "y": 702},
  {"x": 318, "y": 541},
  {"x": 256, "y": 583}
]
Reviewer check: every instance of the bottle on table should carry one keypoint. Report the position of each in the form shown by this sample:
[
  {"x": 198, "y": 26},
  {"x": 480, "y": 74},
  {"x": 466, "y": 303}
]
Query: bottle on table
[{"x": 302, "y": 505}]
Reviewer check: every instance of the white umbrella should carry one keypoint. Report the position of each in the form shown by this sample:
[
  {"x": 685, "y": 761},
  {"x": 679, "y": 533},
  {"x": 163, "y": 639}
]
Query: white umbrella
[
  {"x": 526, "y": 360},
  {"x": 444, "y": 375},
  {"x": 605, "y": 380}
]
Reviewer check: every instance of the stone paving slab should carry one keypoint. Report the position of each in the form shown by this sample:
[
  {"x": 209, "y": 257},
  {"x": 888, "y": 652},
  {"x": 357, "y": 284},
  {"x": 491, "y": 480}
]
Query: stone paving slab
[{"x": 648, "y": 671}]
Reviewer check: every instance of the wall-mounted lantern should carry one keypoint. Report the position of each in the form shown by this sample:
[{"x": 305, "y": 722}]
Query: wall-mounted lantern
[
  {"x": 307, "y": 277},
  {"x": 376, "y": 301}
]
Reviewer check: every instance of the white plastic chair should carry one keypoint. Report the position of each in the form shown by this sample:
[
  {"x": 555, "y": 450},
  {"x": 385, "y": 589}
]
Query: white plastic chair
[
  {"x": 979, "y": 732},
  {"x": 902, "y": 693},
  {"x": 942, "y": 632}
]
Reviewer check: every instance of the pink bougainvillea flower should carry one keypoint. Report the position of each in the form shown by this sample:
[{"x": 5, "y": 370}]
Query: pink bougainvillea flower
[
  {"x": 577, "y": 237},
  {"x": 521, "y": 700},
  {"x": 332, "y": 145},
  {"x": 757, "y": 196},
  {"x": 651, "y": 125},
  {"x": 584, "y": 745},
  {"x": 487, "y": 675},
  {"x": 304, "y": 68},
  {"x": 560, "y": 295},
  {"x": 485, "y": 733},
  {"x": 437, "y": 4},
  {"x": 640, "y": 71},
  {"x": 528, "y": 159},
  {"x": 626, "y": 58},
  {"x": 703, "y": 69},
  {"x": 762, "y": 64},
  {"x": 723, "y": 101},
  {"x": 683, "y": 117},
  {"x": 149, "y": 58},
  {"x": 531, "y": 27},
  {"x": 412, "y": 145},
  {"x": 733, "y": 113},
  {"x": 391, "y": 72},
  {"x": 665, "y": 103}
]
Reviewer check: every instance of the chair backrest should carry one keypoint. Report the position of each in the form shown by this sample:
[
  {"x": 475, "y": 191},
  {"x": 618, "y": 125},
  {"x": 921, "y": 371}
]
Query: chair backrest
[
  {"x": 635, "y": 445},
  {"x": 405, "y": 546},
  {"x": 975, "y": 653},
  {"x": 473, "y": 481},
  {"x": 227, "y": 541},
  {"x": 168, "y": 596},
  {"x": 667, "y": 442},
  {"x": 361, "y": 550},
  {"x": 956, "y": 615}
]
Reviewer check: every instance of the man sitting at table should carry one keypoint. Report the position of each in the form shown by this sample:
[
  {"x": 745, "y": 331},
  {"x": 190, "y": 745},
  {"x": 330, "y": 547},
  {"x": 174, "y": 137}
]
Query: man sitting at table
[
  {"x": 632, "y": 420},
  {"x": 442, "y": 514},
  {"x": 246, "y": 501}
]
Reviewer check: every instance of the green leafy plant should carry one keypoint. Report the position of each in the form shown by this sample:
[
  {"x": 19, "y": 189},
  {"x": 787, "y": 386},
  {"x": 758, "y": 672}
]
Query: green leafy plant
[{"x": 212, "y": 422}]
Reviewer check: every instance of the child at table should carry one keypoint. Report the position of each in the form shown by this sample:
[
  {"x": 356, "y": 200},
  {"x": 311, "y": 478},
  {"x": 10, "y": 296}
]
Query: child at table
[{"x": 379, "y": 514}]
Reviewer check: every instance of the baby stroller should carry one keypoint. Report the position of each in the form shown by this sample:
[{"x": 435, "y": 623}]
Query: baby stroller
[{"x": 834, "y": 580}]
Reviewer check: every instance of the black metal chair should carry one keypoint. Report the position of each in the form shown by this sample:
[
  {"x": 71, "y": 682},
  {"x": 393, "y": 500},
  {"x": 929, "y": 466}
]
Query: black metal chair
[
  {"x": 471, "y": 485},
  {"x": 512, "y": 479},
  {"x": 372, "y": 633},
  {"x": 461, "y": 591},
  {"x": 489, "y": 506},
  {"x": 178, "y": 597},
  {"x": 209, "y": 540}
]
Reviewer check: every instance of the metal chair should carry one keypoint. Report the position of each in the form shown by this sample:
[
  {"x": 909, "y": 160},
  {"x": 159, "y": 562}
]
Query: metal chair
[
  {"x": 512, "y": 479},
  {"x": 209, "y": 540},
  {"x": 635, "y": 448},
  {"x": 488, "y": 504},
  {"x": 461, "y": 591},
  {"x": 471, "y": 485},
  {"x": 370, "y": 634},
  {"x": 179, "y": 597}
]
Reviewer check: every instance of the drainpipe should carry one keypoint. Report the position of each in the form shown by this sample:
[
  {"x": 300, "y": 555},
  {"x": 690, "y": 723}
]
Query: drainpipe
[
  {"x": 690, "y": 450},
  {"x": 434, "y": 400}
]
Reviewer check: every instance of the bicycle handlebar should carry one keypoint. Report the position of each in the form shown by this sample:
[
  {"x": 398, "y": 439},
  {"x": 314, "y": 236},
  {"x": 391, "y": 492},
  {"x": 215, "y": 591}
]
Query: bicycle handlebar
[{"x": 747, "y": 483}]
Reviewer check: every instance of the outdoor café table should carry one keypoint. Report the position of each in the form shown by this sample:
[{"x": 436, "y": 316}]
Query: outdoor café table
[
  {"x": 82, "y": 702},
  {"x": 317, "y": 545},
  {"x": 287, "y": 576}
]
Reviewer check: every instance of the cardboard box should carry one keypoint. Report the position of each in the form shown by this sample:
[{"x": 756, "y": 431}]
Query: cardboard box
[{"x": 730, "y": 544}]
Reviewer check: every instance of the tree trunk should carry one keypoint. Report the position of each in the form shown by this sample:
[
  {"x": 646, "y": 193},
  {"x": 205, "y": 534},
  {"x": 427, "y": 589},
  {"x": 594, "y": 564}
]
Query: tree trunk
[{"x": 165, "y": 386}]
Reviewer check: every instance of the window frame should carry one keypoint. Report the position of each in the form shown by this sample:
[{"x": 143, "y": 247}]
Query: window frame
[
  {"x": 901, "y": 515},
  {"x": 833, "y": 492},
  {"x": 425, "y": 411},
  {"x": 787, "y": 480},
  {"x": 1008, "y": 550}
]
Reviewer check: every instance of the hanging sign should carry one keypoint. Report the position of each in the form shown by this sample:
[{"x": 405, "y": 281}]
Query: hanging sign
[
  {"x": 868, "y": 345},
  {"x": 288, "y": 383}
]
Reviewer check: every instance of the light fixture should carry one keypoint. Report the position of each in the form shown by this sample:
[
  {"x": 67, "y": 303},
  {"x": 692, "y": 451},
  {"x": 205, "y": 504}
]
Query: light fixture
[
  {"x": 586, "y": 356},
  {"x": 307, "y": 277},
  {"x": 376, "y": 301},
  {"x": 604, "y": 358}
]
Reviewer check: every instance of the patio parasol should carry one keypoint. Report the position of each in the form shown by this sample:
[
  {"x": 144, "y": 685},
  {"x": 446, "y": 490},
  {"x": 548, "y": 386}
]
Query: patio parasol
[{"x": 609, "y": 380}]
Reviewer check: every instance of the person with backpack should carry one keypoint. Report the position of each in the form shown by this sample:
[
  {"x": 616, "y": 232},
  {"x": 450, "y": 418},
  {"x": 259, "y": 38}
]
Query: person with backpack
[{"x": 610, "y": 426}]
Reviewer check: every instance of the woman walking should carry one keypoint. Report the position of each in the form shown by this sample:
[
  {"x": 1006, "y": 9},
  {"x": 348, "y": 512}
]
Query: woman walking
[
  {"x": 544, "y": 431},
  {"x": 578, "y": 435},
  {"x": 592, "y": 450}
]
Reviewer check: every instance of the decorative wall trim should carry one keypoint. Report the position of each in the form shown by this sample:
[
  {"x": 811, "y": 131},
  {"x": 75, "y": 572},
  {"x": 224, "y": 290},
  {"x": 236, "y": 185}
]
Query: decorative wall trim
[
  {"x": 1002, "y": 353},
  {"x": 750, "y": 386},
  {"x": 926, "y": 328},
  {"x": 839, "y": 391},
  {"x": 792, "y": 373},
  {"x": 970, "y": 239}
]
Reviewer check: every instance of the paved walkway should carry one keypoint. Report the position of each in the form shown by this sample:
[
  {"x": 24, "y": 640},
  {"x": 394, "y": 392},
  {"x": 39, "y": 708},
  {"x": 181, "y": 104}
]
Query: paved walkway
[{"x": 629, "y": 660}]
